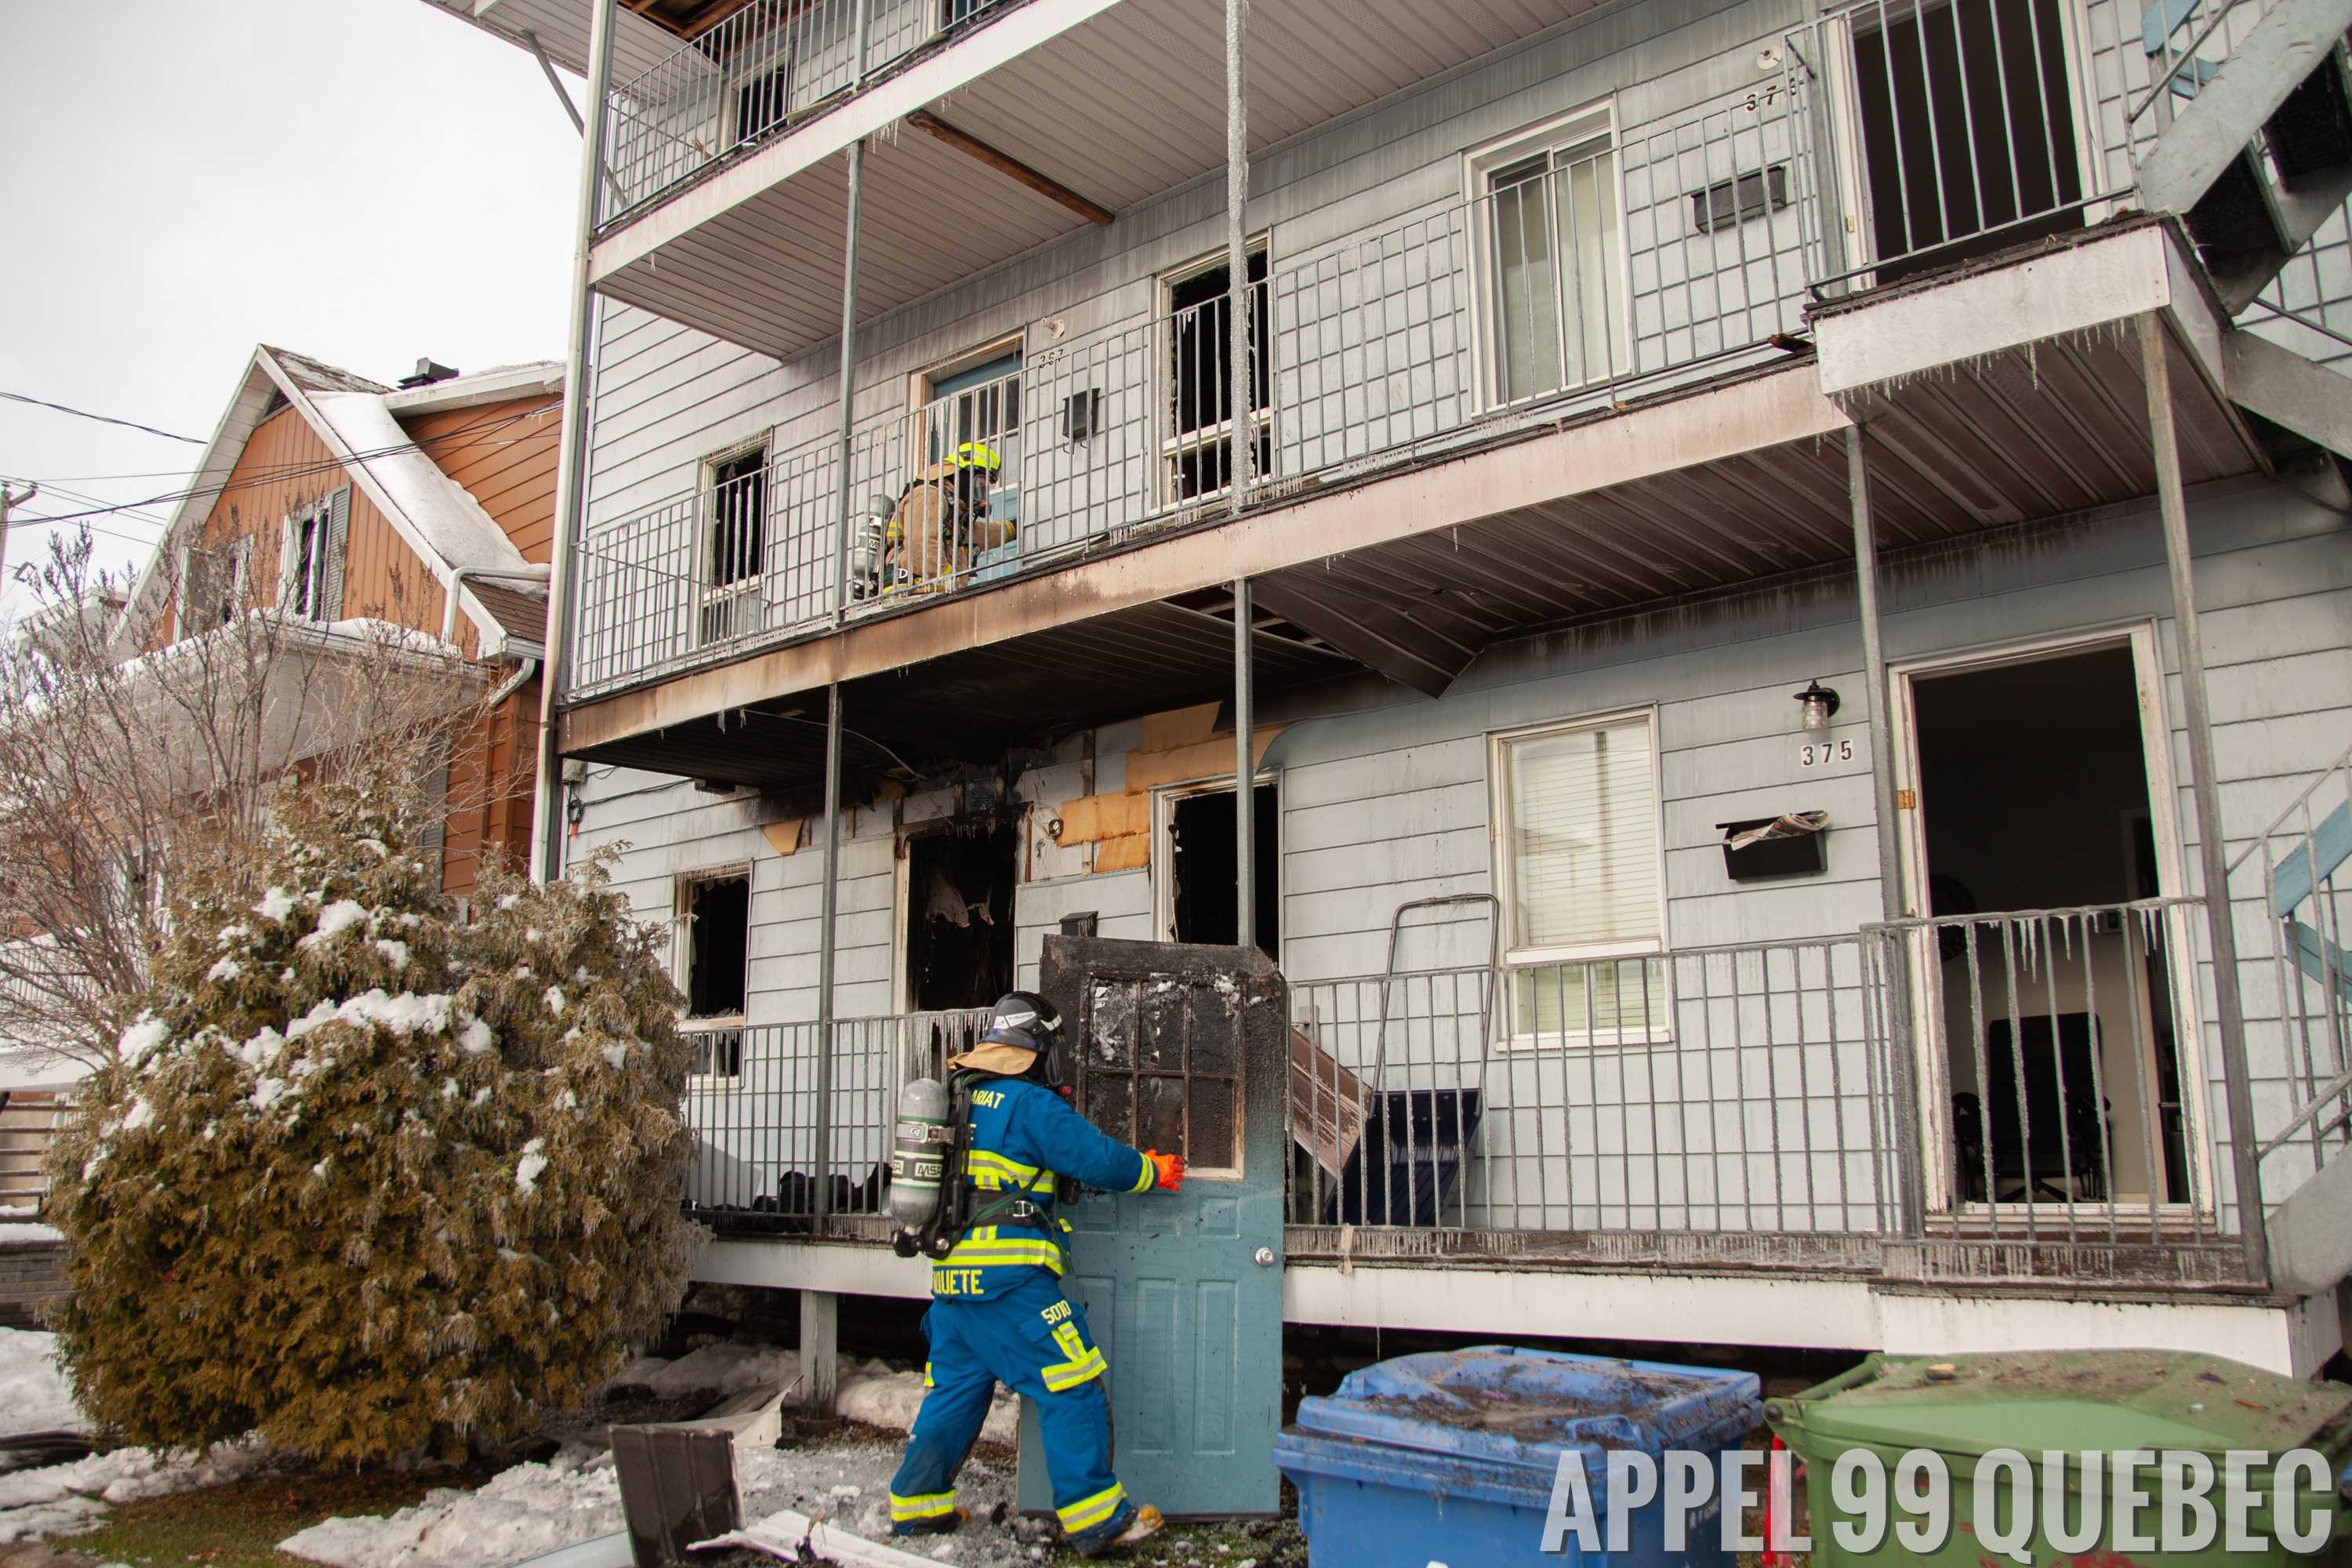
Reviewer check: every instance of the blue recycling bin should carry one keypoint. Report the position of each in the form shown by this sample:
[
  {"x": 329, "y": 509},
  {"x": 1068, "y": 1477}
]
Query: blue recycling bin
[{"x": 1449, "y": 1458}]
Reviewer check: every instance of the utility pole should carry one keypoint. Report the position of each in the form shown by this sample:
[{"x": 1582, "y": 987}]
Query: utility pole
[{"x": 9, "y": 501}]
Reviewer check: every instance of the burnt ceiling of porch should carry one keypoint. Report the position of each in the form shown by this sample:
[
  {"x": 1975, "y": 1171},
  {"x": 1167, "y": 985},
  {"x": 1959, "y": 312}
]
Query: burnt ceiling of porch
[
  {"x": 2017, "y": 437},
  {"x": 975, "y": 705}
]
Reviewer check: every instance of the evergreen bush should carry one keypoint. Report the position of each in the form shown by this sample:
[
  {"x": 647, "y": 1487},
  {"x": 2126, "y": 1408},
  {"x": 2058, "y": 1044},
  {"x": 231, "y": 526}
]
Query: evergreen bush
[{"x": 366, "y": 1178}]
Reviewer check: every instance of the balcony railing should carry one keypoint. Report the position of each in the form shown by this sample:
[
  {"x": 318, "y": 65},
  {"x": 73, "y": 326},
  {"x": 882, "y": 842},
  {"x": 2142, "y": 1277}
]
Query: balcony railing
[
  {"x": 753, "y": 75},
  {"x": 2028, "y": 1093},
  {"x": 1462, "y": 322}
]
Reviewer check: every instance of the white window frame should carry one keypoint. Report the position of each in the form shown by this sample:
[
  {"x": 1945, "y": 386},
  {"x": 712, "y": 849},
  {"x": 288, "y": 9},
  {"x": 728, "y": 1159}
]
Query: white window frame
[
  {"x": 1172, "y": 446},
  {"x": 319, "y": 516},
  {"x": 1479, "y": 166},
  {"x": 682, "y": 966},
  {"x": 1519, "y": 1034},
  {"x": 710, "y": 595}
]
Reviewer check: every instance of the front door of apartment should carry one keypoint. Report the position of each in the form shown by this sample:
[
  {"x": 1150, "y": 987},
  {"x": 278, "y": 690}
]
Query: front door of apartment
[
  {"x": 1179, "y": 1048},
  {"x": 2041, "y": 840}
]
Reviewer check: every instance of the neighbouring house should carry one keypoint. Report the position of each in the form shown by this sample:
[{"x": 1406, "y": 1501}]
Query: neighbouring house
[
  {"x": 1791, "y": 593},
  {"x": 361, "y": 514}
]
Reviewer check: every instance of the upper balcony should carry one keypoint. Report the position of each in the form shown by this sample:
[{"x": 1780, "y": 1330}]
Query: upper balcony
[{"x": 992, "y": 127}]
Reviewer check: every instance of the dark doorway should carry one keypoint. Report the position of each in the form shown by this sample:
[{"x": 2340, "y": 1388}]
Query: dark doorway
[
  {"x": 959, "y": 915},
  {"x": 1201, "y": 866},
  {"x": 2058, "y": 1029},
  {"x": 1968, "y": 128}
]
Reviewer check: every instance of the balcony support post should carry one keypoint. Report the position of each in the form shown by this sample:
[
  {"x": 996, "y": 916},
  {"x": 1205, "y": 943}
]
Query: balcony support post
[
  {"x": 1897, "y": 951},
  {"x": 2213, "y": 852},
  {"x": 1240, "y": 298},
  {"x": 1243, "y": 449},
  {"x": 828, "y": 914},
  {"x": 547, "y": 816},
  {"x": 843, "y": 478}
]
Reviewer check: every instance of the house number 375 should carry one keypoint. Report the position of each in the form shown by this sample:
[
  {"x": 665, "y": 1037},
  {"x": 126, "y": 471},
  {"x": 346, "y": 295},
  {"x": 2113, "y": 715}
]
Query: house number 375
[{"x": 1822, "y": 753}]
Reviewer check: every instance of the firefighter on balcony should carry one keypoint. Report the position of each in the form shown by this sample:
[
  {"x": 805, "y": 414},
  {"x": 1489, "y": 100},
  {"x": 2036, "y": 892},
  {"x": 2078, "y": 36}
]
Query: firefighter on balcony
[
  {"x": 998, "y": 1314},
  {"x": 939, "y": 518}
]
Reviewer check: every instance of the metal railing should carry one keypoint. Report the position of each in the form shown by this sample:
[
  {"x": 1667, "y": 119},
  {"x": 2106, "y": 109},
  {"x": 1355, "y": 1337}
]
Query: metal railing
[
  {"x": 1731, "y": 1089},
  {"x": 757, "y": 72},
  {"x": 1377, "y": 349},
  {"x": 2298, "y": 990},
  {"x": 2068, "y": 1096},
  {"x": 1964, "y": 132},
  {"x": 753, "y": 1109}
]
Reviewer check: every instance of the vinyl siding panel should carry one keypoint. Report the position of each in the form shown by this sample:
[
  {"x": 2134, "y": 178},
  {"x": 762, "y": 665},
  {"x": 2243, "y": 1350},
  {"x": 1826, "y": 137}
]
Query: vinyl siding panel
[{"x": 505, "y": 454}]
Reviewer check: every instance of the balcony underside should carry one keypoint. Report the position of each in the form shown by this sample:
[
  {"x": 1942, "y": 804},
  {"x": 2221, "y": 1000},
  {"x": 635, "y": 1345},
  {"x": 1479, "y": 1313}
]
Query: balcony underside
[
  {"x": 1116, "y": 103},
  {"x": 561, "y": 27},
  {"x": 1412, "y": 573}
]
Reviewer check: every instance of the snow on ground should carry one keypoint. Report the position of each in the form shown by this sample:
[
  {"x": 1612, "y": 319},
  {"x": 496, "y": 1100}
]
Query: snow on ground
[
  {"x": 534, "y": 1509},
  {"x": 23, "y": 1230},
  {"x": 34, "y": 1393},
  {"x": 64, "y": 1499}
]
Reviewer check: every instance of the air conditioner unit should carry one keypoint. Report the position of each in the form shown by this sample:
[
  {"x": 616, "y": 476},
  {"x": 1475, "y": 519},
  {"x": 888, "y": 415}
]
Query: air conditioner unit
[{"x": 734, "y": 611}]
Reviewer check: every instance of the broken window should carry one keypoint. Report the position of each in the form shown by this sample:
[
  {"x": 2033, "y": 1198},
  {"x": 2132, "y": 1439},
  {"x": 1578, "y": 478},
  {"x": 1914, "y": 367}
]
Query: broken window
[
  {"x": 715, "y": 953},
  {"x": 735, "y": 543},
  {"x": 1200, "y": 857},
  {"x": 1578, "y": 865},
  {"x": 960, "y": 886},
  {"x": 1198, "y": 339},
  {"x": 1161, "y": 1069}
]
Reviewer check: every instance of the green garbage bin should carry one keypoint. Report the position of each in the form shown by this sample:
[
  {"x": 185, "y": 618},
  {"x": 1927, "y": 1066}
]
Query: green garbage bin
[{"x": 2074, "y": 1402}]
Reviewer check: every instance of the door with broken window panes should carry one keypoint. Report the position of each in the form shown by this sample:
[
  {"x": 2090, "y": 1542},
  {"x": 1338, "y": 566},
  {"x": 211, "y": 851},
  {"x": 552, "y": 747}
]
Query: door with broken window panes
[{"x": 1175, "y": 1046}]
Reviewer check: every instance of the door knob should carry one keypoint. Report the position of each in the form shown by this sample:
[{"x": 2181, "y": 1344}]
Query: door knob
[{"x": 1264, "y": 1258}]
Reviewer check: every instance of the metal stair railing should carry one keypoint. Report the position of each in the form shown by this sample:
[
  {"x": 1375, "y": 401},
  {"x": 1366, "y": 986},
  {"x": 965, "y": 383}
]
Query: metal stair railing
[{"x": 2306, "y": 1039}]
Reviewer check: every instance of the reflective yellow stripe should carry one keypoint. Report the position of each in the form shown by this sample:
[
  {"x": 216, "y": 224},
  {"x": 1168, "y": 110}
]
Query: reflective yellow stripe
[
  {"x": 936, "y": 1506},
  {"x": 987, "y": 1162},
  {"x": 1068, "y": 1374},
  {"x": 926, "y": 1376},
  {"x": 1149, "y": 1179},
  {"x": 1089, "y": 1512},
  {"x": 1003, "y": 1254}
]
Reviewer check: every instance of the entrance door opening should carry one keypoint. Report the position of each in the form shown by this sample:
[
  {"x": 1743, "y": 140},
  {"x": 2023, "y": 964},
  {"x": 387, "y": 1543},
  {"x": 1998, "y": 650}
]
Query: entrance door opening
[
  {"x": 1967, "y": 127},
  {"x": 1201, "y": 848},
  {"x": 959, "y": 915},
  {"x": 2058, "y": 1046}
]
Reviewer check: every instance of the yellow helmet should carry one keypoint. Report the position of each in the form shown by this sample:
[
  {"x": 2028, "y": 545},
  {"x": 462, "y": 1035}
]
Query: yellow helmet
[{"x": 978, "y": 455}]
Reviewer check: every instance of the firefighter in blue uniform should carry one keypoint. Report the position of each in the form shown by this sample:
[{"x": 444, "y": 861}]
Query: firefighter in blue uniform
[{"x": 998, "y": 1314}]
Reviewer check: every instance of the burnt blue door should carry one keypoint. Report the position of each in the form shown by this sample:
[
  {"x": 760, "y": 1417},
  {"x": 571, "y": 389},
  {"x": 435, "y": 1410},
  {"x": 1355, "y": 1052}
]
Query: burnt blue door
[{"x": 1179, "y": 1048}]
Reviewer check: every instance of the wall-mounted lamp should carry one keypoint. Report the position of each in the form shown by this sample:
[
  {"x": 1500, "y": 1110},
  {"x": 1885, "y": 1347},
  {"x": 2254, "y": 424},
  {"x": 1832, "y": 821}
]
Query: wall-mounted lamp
[{"x": 1816, "y": 704}]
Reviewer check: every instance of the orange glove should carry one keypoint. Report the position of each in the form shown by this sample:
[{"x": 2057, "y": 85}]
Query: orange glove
[{"x": 1169, "y": 1170}]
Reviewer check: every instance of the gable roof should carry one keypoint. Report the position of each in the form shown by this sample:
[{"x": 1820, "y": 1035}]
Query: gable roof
[{"x": 436, "y": 517}]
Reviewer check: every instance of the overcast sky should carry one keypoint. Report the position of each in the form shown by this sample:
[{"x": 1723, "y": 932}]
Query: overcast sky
[{"x": 367, "y": 181}]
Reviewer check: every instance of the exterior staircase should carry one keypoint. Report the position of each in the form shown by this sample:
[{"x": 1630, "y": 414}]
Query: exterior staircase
[
  {"x": 2259, "y": 153},
  {"x": 2307, "y": 895}
]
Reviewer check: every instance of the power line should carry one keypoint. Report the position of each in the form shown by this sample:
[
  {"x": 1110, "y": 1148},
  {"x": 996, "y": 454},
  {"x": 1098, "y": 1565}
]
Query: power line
[
  {"x": 102, "y": 418},
  {"x": 293, "y": 471}
]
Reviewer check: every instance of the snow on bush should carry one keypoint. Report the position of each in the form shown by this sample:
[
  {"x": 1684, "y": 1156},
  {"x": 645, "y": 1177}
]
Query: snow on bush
[{"x": 349, "y": 1183}]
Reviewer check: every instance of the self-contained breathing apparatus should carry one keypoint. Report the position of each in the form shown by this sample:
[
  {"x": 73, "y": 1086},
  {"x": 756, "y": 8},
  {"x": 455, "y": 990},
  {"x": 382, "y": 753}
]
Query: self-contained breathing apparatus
[{"x": 930, "y": 1152}]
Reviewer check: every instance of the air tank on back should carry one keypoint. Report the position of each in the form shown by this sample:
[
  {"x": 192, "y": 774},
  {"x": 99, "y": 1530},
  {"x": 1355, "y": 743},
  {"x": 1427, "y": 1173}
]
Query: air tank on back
[{"x": 918, "y": 1151}]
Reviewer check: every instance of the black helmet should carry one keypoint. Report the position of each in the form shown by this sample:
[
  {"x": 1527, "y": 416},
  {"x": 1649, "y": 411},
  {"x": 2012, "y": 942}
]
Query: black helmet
[{"x": 1027, "y": 1020}]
